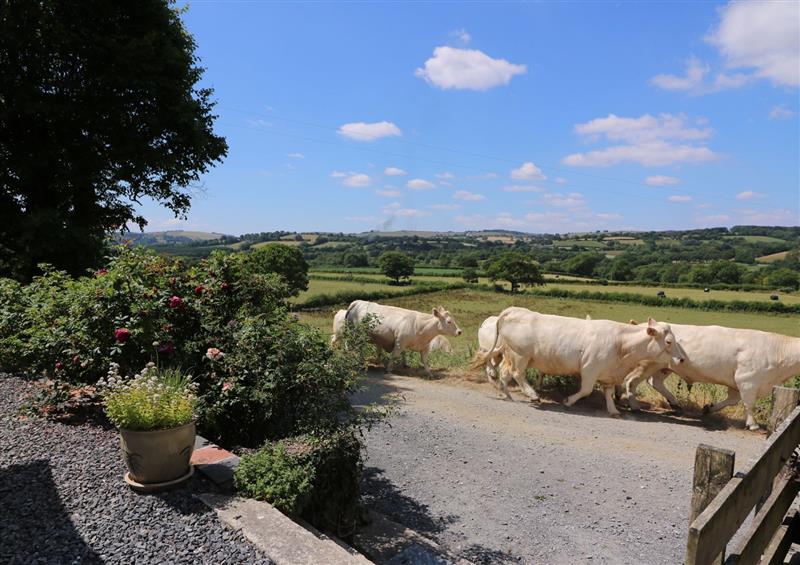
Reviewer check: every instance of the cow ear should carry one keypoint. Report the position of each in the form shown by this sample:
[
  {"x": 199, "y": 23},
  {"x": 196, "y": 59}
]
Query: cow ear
[
  {"x": 436, "y": 312},
  {"x": 651, "y": 326},
  {"x": 633, "y": 322}
]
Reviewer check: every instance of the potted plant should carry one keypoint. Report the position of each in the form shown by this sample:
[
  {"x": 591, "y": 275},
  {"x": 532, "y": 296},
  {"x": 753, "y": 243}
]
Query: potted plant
[{"x": 155, "y": 414}]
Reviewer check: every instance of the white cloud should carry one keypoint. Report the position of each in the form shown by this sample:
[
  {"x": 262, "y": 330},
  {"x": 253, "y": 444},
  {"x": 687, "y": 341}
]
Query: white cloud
[
  {"x": 561, "y": 180},
  {"x": 419, "y": 184},
  {"x": 608, "y": 216},
  {"x": 528, "y": 171},
  {"x": 361, "y": 131},
  {"x": 392, "y": 206},
  {"x": 445, "y": 206},
  {"x": 410, "y": 213},
  {"x": 716, "y": 218},
  {"x": 748, "y": 195},
  {"x": 777, "y": 217},
  {"x": 394, "y": 172},
  {"x": 763, "y": 36},
  {"x": 780, "y": 113},
  {"x": 467, "y": 69},
  {"x": 466, "y": 195},
  {"x": 506, "y": 220},
  {"x": 356, "y": 180},
  {"x": 296, "y": 155},
  {"x": 338, "y": 174},
  {"x": 647, "y": 140},
  {"x": 679, "y": 198},
  {"x": 522, "y": 188},
  {"x": 661, "y": 180},
  {"x": 390, "y": 193},
  {"x": 643, "y": 129},
  {"x": 571, "y": 200},
  {"x": 445, "y": 176},
  {"x": 696, "y": 70},
  {"x": 461, "y": 35}
]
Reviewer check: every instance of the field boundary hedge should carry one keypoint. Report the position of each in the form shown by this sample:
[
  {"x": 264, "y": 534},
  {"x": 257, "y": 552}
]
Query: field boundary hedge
[{"x": 347, "y": 296}]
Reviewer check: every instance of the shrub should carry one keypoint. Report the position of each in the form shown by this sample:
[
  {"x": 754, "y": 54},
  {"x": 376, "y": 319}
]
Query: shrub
[
  {"x": 155, "y": 399},
  {"x": 315, "y": 477}
]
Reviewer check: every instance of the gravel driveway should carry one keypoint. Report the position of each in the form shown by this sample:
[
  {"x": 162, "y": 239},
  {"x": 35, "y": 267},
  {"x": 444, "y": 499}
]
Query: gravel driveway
[
  {"x": 496, "y": 481},
  {"x": 63, "y": 500}
]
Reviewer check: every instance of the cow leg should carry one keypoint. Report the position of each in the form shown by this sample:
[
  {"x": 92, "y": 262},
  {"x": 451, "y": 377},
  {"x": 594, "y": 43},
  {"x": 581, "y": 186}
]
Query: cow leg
[
  {"x": 491, "y": 374},
  {"x": 423, "y": 355},
  {"x": 539, "y": 380},
  {"x": 519, "y": 365},
  {"x": 610, "y": 406},
  {"x": 588, "y": 380},
  {"x": 503, "y": 379},
  {"x": 631, "y": 383},
  {"x": 657, "y": 382},
  {"x": 396, "y": 352},
  {"x": 733, "y": 398},
  {"x": 749, "y": 395}
]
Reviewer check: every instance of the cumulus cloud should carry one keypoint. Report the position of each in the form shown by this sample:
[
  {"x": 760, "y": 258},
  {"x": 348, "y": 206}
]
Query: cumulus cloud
[
  {"x": 467, "y": 195},
  {"x": 461, "y": 35},
  {"x": 338, "y": 174},
  {"x": 648, "y": 140},
  {"x": 419, "y": 184},
  {"x": 661, "y": 180},
  {"x": 571, "y": 200},
  {"x": 522, "y": 188},
  {"x": 445, "y": 176},
  {"x": 356, "y": 180},
  {"x": 762, "y": 36},
  {"x": 362, "y": 131},
  {"x": 528, "y": 171},
  {"x": 748, "y": 195},
  {"x": 696, "y": 71},
  {"x": 445, "y": 206},
  {"x": 394, "y": 172},
  {"x": 467, "y": 69},
  {"x": 680, "y": 198},
  {"x": 389, "y": 193},
  {"x": 780, "y": 113}
]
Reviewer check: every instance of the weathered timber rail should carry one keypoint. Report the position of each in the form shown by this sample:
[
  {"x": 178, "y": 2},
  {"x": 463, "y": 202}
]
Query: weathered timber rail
[{"x": 722, "y": 502}]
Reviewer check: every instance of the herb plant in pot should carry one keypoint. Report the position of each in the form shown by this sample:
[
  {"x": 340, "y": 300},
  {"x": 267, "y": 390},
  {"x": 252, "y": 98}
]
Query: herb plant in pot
[{"x": 155, "y": 414}]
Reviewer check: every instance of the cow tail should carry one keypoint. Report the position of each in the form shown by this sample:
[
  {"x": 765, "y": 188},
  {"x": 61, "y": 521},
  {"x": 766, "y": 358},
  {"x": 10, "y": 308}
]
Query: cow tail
[{"x": 482, "y": 358}]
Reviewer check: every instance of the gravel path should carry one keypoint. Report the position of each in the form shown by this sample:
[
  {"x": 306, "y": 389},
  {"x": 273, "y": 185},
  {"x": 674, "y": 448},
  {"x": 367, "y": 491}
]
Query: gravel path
[
  {"x": 496, "y": 481},
  {"x": 63, "y": 500}
]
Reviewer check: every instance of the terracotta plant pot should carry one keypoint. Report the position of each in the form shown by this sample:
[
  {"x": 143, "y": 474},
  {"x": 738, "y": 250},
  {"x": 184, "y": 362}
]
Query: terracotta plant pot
[{"x": 158, "y": 459}]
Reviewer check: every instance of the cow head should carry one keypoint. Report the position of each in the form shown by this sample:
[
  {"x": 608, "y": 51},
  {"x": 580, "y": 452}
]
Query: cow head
[
  {"x": 447, "y": 324},
  {"x": 662, "y": 335}
]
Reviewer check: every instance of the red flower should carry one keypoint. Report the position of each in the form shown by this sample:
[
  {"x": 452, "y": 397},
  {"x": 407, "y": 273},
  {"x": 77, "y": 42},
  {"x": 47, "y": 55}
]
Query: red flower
[
  {"x": 166, "y": 348},
  {"x": 122, "y": 335},
  {"x": 224, "y": 286},
  {"x": 101, "y": 272},
  {"x": 198, "y": 290},
  {"x": 59, "y": 365},
  {"x": 175, "y": 301},
  {"x": 167, "y": 327}
]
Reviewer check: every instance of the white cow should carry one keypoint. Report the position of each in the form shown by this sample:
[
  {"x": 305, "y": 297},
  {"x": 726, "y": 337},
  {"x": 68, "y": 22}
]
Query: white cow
[
  {"x": 398, "y": 329},
  {"x": 487, "y": 336},
  {"x": 440, "y": 343},
  {"x": 338, "y": 326},
  {"x": 748, "y": 362},
  {"x": 599, "y": 351}
]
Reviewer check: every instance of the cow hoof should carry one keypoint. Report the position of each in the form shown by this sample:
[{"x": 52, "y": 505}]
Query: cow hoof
[
  {"x": 615, "y": 414},
  {"x": 676, "y": 409},
  {"x": 754, "y": 428},
  {"x": 707, "y": 409}
]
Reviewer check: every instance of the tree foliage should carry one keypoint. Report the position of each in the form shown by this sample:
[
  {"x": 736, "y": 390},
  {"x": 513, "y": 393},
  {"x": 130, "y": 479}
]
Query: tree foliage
[
  {"x": 515, "y": 268},
  {"x": 396, "y": 265},
  {"x": 283, "y": 260},
  {"x": 99, "y": 108}
]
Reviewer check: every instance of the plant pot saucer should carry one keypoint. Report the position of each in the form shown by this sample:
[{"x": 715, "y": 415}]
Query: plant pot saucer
[{"x": 155, "y": 487}]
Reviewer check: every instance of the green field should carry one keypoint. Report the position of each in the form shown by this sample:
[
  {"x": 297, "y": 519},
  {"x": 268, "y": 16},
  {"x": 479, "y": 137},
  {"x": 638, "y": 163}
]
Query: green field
[
  {"x": 756, "y": 238},
  {"x": 693, "y": 293},
  {"x": 589, "y": 243}
]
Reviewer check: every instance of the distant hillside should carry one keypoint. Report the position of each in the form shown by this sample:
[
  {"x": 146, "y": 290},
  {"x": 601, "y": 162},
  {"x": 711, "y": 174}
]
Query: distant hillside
[{"x": 171, "y": 237}]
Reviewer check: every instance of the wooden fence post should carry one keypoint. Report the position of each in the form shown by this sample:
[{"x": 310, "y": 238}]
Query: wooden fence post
[
  {"x": 784, "y": 400},
  {"x": 713, "y": 468}
]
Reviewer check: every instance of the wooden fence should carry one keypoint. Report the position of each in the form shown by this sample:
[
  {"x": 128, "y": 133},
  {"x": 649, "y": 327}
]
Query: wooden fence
[{"x": 722, "y": 502}]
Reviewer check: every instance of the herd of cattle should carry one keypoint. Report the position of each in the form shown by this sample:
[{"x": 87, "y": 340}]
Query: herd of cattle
[{"x": 748, "y": 362}]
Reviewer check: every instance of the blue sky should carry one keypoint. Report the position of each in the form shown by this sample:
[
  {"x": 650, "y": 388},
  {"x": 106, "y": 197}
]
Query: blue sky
[{"x": 547, "y": 117}]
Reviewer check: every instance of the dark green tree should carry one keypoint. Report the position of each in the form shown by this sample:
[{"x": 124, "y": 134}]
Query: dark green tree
[
  {"x": 470, "y": 275},
  {"x": 100, "y": 107},
  {"x": 621, "y": 270},
  {"x": 355, "y": 258},
  {"x": 515, "y": 268},
  {"x": 582, "y": 263},
  {"x": 286, "y": 261},
  {"x": 396, "y": 265},
  {"x": 784, "y": 278}
]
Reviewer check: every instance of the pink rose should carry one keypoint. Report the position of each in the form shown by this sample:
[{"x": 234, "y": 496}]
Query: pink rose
[
  {"x": 226, "y": 386},
  {"x": 175, "y": 301},
  {"x": 122, "y": 335},
  {"x": 59, "y": 365},
  {"x": 214, "y": 354}
]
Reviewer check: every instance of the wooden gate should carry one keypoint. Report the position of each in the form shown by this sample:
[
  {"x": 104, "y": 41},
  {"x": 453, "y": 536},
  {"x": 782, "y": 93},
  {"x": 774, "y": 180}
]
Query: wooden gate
[{"x": 721, "y": 502}]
